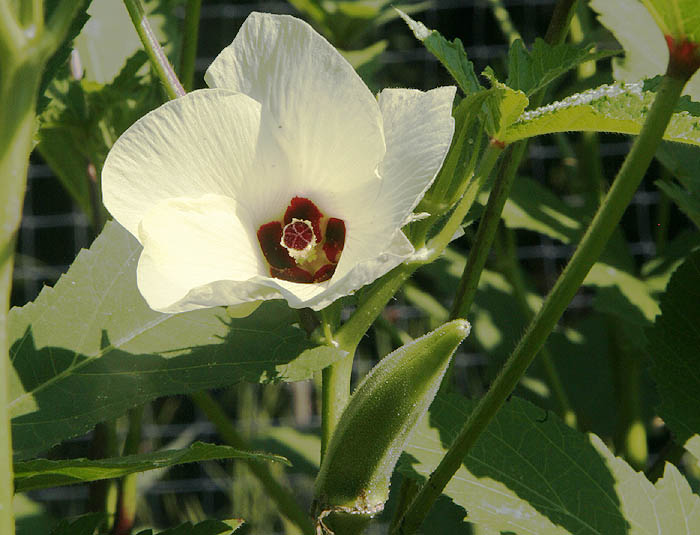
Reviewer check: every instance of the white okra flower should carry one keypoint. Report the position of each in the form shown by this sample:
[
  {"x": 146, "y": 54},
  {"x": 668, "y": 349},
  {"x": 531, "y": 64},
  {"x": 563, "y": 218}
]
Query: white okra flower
[{"x": 286, "y": 180}]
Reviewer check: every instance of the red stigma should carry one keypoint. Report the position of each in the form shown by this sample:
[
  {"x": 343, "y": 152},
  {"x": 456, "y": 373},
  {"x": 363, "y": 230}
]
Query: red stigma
[
  {"x": 298, "y": 235},
  {"x": 292, "y": 246}
]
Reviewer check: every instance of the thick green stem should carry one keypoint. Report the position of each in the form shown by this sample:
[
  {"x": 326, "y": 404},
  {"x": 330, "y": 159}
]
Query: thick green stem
[
  {"x": 23, "y": 55},
  {"x": 561, "y": 20},
  {"x": 19, "y": 83},
  {"x": 189, "y": 43},
  {"x": 7, "y": 524},
  {"x": 336, "y": 378},
  {"x": 335, "y": 388},
  {"x": 486, "y": 231},
  {"x": 556, "y": 32},
  {"x": 282, "y": 497},
  {"x": 590, "y": 248},
  {"x": 155, "y": 52},
  {"x": 438, "y": 243}
]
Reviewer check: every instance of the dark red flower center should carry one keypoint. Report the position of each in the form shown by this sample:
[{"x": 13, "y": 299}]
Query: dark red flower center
[
  {"x": 298, "y": 235},
  {"x": 294, "y": 246}
]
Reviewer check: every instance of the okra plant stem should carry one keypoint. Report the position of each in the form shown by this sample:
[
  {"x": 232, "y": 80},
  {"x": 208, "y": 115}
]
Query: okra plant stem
[
  {"x": 158, "y": 59},
  {"x": 26, "y": 43},
  {"x": 587, "y": 252}
]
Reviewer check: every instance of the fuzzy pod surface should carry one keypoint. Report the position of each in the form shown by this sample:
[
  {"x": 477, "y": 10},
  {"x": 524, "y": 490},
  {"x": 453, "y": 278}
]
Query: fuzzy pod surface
[{"x": 353, "y": 481}]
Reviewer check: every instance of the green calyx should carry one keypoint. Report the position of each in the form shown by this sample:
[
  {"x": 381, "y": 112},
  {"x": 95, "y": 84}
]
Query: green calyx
[{"x": 353, "y": 483}]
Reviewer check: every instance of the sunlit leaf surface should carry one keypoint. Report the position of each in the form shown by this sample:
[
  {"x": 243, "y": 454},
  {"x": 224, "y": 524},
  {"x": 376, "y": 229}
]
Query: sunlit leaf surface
[
  {"x": 90, "y": 348},
  {"x": 619, "y": 108},
  {"x": 530, "y": 473}
]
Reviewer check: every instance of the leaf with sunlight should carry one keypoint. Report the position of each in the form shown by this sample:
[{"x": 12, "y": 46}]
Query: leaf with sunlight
[
  {"x": 90, "y": 348},
  {"x": 43, "y": 473},
  {"x": 618, "y": 108},
  {"x": 530, "y": 473}
]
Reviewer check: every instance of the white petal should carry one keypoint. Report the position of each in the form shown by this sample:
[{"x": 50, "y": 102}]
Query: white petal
[
  {"x": 204, "y": 142},
  {"x": 326, "y": 120},
  {"x": 198, "y": 253},
  {"x": 418, "y": 127}
]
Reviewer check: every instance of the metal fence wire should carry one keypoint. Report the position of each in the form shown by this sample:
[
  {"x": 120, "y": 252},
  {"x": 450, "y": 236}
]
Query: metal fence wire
[{"x": 53, "y": 230}]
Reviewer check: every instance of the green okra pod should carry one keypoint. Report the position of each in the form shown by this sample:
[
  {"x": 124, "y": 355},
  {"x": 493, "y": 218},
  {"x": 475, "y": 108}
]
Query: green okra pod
[{"x": 353, "y": 482}]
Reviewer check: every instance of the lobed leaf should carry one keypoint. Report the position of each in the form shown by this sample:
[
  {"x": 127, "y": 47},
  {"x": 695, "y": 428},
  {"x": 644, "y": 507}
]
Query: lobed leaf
[
  {"x": 531, "y": 71},
  {"x": 503, "y": 106},
  {"x": 619, "y": 108},
  {"x": 90, "y": 348},
  {"x": 42, "y": 473},
  {"x": 530, "y": 473},
  {"x": 60, "y": 56}
]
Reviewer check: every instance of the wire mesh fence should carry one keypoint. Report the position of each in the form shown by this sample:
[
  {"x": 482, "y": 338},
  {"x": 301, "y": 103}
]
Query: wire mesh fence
[{"x": 53, "y": 230}]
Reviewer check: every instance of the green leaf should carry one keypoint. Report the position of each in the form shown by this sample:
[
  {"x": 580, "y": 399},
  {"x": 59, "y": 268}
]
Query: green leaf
[
  {"x": 530, "y": 473},
  {"x": 677, "y": 18},
  {"x": 646, "y": 52},
  {"x": 619, "y": 108},
  {"x": 81, "y": 120},
  {"x": 450, "y": 53},
  {"x": 673, "y": 345},
  {"x": 90, "y": 348},
  {"x": 60, "y": 57},
  {"x": 531, "y": 71},
  {"x": 208, "y": 527},
  {"x": 83, "y": 525},
  {"x": 43, "y": 473},
  {"x": 301, "y": 448},
  {"x": 682, "y": 161},
  {"x": 535, "y": 207},
  {"x": 503, "y": 107}
]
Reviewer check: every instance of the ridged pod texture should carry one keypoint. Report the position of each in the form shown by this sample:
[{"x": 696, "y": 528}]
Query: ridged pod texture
[{"x": 355, "y": 473}]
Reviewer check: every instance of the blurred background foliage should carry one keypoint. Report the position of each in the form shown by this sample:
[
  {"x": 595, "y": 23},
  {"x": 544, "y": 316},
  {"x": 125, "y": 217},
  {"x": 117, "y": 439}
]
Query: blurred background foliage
[{"x": 107, "y": 84}]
